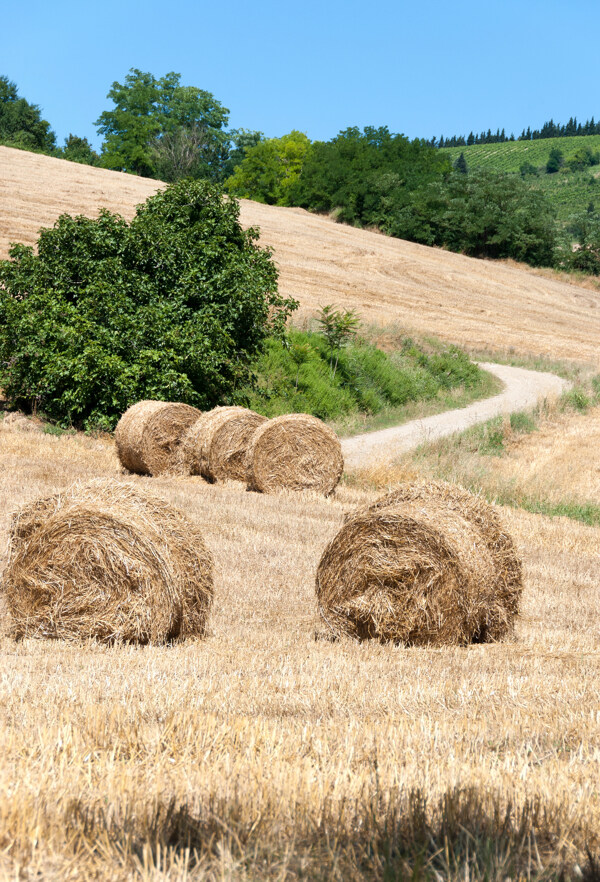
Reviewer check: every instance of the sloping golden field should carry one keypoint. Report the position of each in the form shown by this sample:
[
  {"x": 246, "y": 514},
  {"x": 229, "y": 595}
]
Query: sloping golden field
[{"x": 482, "y": 304}]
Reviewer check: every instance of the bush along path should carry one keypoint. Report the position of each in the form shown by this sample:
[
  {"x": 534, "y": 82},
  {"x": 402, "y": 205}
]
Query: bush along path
[{"x": 523, "y": 389}]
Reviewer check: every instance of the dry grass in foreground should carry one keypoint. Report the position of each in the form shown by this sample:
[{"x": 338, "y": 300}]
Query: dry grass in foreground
[{"x": 262, "y": 753}]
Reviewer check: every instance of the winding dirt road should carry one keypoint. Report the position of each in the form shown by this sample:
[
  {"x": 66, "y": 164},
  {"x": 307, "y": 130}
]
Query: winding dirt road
[{"x": 522, "y": 389}]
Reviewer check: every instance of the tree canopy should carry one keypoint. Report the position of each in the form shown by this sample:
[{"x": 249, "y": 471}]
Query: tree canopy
[
  {"x": 148, "y": 110},
  {"x": 21, "y": 123},
  {"x": 365, "y": 176},
  {"x": 270, "y": 169},
  {"x": 171, "y": 306}
]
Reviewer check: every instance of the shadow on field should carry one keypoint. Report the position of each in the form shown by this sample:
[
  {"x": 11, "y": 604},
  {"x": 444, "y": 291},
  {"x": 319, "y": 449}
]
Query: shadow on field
[{"x": 466, "y": 836}]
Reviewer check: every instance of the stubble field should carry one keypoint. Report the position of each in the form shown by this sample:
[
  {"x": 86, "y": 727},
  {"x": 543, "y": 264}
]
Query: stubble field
[{"x": 266, "y": 751}]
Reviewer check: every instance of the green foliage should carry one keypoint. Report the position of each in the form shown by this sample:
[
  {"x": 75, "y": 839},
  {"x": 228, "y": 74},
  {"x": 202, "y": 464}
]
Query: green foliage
[
  {"x": 585, "y": 256},
  {"x": 294, "y": 375},
  {"x": 172, "y": 306},
  {"x": 526, "y": 168},
  {"x": 146, "y": 110},
  {"x": 338, "y": 327},
  {"x": 366, "y": 177},
  {"x": 460, "y": 165},
  {"x": 241, "y": 140},
  {"x": 21, "y": 124},
  {"x": 568, "y": 193},
  {"x": 269, "y": 170},
  {"x": 555, "y": 161},
  {"x": 78, "y": 150},
  {"x": 481, "y": 214}
]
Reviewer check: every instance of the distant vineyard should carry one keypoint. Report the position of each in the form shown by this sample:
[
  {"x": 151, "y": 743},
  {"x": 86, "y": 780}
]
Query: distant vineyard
[
  {"x": 509, "y": 156},
  {"x": 569, "y": 192}
]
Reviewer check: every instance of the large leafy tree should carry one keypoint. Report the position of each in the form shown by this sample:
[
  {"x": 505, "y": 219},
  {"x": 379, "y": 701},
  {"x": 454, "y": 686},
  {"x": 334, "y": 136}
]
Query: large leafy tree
[
  {"x": 481, "y": 214},
  {"x": 147, "y": 110},
  {"x": 364, "y": 177},
  {"x": 21, "y": 123},
  {"x": 269, "y": 171},
  {"x": 172, "y": 306}
]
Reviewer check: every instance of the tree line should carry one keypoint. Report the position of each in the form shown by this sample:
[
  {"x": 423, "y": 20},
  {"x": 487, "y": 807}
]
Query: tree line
[
  {"x": 159, "y": 128},
  {"x": 550, "y": 129}
]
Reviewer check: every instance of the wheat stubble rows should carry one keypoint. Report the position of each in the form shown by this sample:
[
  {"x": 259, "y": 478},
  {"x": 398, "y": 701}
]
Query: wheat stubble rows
[{"x": 261, "y": 724}]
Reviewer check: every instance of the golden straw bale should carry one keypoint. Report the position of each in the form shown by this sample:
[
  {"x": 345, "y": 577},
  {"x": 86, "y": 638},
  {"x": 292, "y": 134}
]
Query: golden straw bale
[
  {"x": 107, "y": 560},
  {"x": 215, "y": 445},
  {"x": 294, "y": 452},
  {"x": 148, "y": 436},
  {"x": 427, "y": 564}
]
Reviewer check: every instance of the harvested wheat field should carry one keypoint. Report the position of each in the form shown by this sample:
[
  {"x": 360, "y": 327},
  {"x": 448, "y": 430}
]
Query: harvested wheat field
[
  {"x": 267, "y": 751},
  {"x": 481, "y": 304}
]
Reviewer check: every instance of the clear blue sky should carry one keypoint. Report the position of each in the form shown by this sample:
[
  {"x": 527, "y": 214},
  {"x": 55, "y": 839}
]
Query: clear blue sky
[{"x": 421, "y": 68}]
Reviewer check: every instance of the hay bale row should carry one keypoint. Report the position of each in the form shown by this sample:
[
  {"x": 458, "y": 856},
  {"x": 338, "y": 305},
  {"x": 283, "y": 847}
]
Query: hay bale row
[
  {"x": 108, "y": 561},
  {"x": 149, "y": 434},
  {"x": 427, "y": 564},
  {"x": 291, "y": 452}
]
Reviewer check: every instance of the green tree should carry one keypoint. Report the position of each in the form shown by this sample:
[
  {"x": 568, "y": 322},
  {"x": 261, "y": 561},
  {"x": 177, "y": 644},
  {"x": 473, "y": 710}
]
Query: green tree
[
  {"x": 366, "y": 177},
  {"x": 338, "y": 327},
  {"x": 78, "y": 150},
  {"x": 21, "y": 123},
  {"x": 555, "y": 161},
  {"x": 461, "y": 165},
  {"x": 240, "y": 141},
  {"x": 482, "y": 214},
  {"x": 172, "y": 306},
  {"x": 147, "y": 109},
  {"x": 270, "y": 169}
]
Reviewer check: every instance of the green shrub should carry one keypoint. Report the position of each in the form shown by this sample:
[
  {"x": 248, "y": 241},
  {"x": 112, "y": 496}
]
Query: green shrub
[
  {"x": 366, "y": 379},
  {"x": 172, "y": 306}
]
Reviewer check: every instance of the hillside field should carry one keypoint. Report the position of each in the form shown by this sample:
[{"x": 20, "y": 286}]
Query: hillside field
[
  {"x": 476, "y": 304},
  {"x": 569, "y": 192},
  {"x": 266, "y": 752}
]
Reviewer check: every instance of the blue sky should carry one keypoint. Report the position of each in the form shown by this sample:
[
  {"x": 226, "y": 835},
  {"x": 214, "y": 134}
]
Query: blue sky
[{"x": 422, "y": 68}]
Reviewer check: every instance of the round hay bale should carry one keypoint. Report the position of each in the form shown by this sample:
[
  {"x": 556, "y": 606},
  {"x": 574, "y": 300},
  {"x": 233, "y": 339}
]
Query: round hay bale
[
  {"x": 107, "y": 560},
  {"x": 427, "y": 564},
  {"x": 148, "y": 436},
  {"x": 294, "y": 452},
  {"x": 215, "y": 446}
]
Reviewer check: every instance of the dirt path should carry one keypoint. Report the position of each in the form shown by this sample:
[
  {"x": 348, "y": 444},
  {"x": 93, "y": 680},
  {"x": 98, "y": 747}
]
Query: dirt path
[{"x": 522, "y": 389}]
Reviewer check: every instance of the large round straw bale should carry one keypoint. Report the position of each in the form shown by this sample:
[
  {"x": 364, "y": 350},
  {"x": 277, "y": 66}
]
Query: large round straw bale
[
  {"x": 148, "y": 436},
  {"x": 107, "y": 560},
  {"x": 427, "y": 564},
  {"x": 294, "y": 452},
  {"x": 215, "y": 446}
]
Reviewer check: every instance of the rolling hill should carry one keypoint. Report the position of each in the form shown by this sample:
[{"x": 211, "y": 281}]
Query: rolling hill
[
  {"x": 569, "y": 192},
  {"x": 478, "y": 304}
]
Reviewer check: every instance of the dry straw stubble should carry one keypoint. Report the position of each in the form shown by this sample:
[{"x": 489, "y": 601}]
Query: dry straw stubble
[
  {"x": 109, "y": 561},
  {"x": 215, "y": 446},
  {"x": 294, "y": 452},
  {"x": 149, "y": 434},
  {"x": 427, "y": 564}
]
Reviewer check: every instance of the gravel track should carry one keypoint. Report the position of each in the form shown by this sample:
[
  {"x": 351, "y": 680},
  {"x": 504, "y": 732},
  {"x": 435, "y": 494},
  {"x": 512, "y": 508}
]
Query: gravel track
[{"x": 522, "y": 389}]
